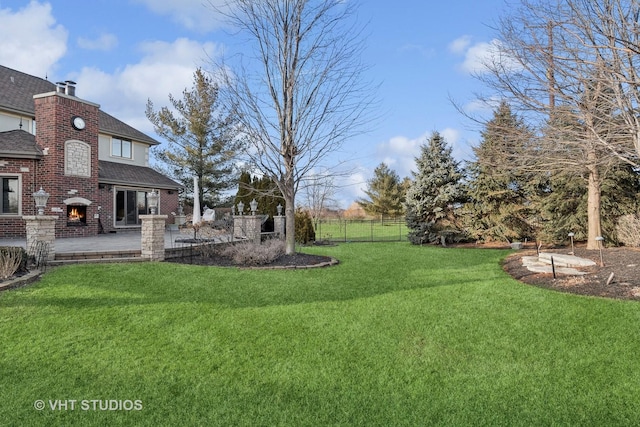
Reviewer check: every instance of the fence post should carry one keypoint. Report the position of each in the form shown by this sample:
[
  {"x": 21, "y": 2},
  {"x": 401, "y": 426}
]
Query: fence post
[{"x": 371, "y": 230}]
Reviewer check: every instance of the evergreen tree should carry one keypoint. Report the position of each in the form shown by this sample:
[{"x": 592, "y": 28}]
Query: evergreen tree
[
  {"x": 305, "y": 232},
  {"x": 435, "y": 195},
  {"x": 266, "y": 193},
  {"x": 245, "y": 191},
  {"x": 564, "y": 208},
  {"x": 386, "y": 194},
  {"x": 499, "y": 193},
  {"x": 203, "y": 139}
]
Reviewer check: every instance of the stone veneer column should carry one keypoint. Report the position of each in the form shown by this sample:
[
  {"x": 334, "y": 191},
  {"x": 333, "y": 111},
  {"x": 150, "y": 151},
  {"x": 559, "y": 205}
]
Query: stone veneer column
[
  {"x": 254, "y": 228},
  {"x": 41, "y": 228},
  {"x": 153, "y": 236},
  {"x": 278, "y": 226},
  {"x": 238, "y": 227},
  {"x": 247, "y": 226}
]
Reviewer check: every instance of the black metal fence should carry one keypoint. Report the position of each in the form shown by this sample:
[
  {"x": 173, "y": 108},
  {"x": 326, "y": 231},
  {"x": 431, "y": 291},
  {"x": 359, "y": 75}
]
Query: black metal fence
[{"x": 361, "y": 230}]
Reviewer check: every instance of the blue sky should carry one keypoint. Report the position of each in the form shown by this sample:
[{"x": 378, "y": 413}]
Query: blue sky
[{"x": 123, "y": 52}]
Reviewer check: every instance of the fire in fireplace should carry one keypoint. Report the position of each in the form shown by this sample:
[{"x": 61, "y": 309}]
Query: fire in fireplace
[{"x": 76, "y": 215}]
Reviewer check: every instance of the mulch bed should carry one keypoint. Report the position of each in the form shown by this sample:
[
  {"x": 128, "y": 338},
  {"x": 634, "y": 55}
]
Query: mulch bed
[
  {"x": 297, "y": 260},
  {"x": 623, "y": 262}
]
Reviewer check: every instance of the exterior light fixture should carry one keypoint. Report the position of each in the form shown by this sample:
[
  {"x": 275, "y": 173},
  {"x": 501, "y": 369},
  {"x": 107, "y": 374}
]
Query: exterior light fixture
[
  {"x": 240, "y": 207},
  {"x": 41, "y": 198},
  {"x": 600, "y": 239},
  {"x": 279, "y": 209},
  {"x": 152, "y": 199},
  {"x": 571, "y": 237},
  {"x": 254, "y": 206}
]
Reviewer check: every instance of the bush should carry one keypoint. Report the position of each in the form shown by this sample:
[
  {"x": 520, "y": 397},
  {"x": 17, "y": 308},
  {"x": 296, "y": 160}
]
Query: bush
[
  {"x": 12, "y": 259},
  {"x": 305, "y": 232},
  {"x": 249, "y": 253},
  {"x": 628, "y": 230}
]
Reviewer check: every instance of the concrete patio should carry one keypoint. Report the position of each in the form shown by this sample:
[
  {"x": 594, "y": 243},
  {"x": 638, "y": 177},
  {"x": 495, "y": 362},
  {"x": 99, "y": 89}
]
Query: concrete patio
[{"x": 112, "y": 242}]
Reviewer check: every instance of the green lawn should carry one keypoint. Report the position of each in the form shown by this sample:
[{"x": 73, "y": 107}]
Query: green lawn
[{"x": 394, "y": 335}]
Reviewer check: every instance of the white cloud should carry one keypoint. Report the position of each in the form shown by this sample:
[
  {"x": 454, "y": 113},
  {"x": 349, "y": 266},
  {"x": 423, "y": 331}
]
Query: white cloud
[
  {"x": 477, "y": 55},
  {"x": 352, "y": 188},
  {"x": 104, "y": 42},
  {"x": 32, "y": 42},
  {"x": 459, "y": 45},
  {"x": 196, "y": 15},
  {"x": 399, "y": 153},
  {"x": 165, "y": 68}
]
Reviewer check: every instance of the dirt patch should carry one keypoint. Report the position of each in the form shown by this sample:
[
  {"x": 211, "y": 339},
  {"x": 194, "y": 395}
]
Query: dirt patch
[{"x": 622, "y": 262}]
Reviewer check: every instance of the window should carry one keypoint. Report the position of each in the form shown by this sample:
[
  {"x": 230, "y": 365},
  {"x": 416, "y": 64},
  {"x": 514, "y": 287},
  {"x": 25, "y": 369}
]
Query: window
[
  {"x": 10, "y": 201},
  {"x": 129, "y": 205},
  {"x": 120, "y": 148}
]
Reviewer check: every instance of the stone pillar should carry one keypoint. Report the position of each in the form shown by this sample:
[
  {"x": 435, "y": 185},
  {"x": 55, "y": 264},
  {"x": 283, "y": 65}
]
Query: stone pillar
[
  {"x": 41, "y": 228},
  {"x": 278, "y": 226},
  {"x": 153, "y": 236},
  {"x": 180, "y": 219},
  {"x": 254, "y": 228},
  {"x": 238, "y": 227},
  {"x": 247, "y": 227}
]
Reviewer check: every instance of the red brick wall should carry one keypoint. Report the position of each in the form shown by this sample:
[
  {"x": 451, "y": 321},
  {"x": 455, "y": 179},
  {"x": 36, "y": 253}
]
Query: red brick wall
[
  {"x": 53, "y": 119},
  {"x": 14, "y": 226},
  {"x": 105, "y": 208},
  {"x": 169, "y": 204}
]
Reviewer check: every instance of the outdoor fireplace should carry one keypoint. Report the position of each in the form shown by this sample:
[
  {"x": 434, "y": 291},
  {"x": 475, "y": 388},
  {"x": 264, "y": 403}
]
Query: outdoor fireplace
[{"x": 76, "y": 215}]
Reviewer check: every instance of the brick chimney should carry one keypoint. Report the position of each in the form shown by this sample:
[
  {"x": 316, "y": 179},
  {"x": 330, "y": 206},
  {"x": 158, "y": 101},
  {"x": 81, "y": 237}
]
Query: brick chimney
[{"x": 70, "y": 168}]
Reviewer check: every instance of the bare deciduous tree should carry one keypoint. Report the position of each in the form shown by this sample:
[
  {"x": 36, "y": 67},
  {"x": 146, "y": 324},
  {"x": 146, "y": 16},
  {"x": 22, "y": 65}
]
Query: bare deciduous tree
[
  {"x": 318, "y": 195},
  {"x": 569, "y": 68},
  {"x": 304, "y": 92}
]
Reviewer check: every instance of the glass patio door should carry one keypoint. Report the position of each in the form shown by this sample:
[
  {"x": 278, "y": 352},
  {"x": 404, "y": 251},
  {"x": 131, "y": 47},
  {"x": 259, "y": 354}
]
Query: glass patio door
[{"x": 130, "y": 204}]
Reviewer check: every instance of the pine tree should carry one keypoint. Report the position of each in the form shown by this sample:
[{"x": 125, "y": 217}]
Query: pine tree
[
  {"x": 385, "y": 192},
  {"x": 435, "y": 195},
  {"x": 499, "y": 193},
  {"x": 265, "y": 192},
  {"x": 203, "y": 139},
  {"x": 245, "y": 191},
  {"x": 564, "y": 208}
]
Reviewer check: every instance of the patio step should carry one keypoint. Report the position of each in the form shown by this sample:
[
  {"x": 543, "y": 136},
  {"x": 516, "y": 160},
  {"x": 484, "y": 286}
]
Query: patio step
[
  {"x": 96, "y": 257},
  {"x": 95, "y": 260},
  {"x": 562, "y": 260},
  {"x": 93, "y": 256}
]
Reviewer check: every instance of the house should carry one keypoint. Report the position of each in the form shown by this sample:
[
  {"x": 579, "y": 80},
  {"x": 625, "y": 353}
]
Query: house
[{"x": 95, "y": 167}]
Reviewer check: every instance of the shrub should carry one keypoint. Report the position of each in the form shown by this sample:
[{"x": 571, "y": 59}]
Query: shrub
[
  {"x": 248, "y": 253},
  {"x": 628, "y": 230},
  {"x": 12, "y": 259},
  {"x": 304, "y": 227}
]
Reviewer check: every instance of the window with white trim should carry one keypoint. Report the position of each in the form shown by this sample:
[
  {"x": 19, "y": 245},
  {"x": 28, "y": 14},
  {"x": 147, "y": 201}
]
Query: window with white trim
[{"x": 121, "y": 148}]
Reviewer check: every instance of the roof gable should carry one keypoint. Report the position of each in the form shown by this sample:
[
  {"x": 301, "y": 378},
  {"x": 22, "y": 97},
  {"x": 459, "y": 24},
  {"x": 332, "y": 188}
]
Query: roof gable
[
  {"x": 17, "y": 90},
  {"x": 19, "y": 144}
]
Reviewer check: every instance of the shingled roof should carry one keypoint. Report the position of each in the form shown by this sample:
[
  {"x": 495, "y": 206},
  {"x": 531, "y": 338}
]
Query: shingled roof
[
  {"x": 123, "y": 174},
  {"x": 16, "y": 94},
  {"x": 19, "y": 144}
]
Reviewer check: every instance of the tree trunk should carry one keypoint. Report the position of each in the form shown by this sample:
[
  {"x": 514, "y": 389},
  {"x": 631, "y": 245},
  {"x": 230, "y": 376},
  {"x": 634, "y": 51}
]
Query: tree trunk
[
  {"x": 290, "y": 216},
  {"x": 593, "y": 207}
]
